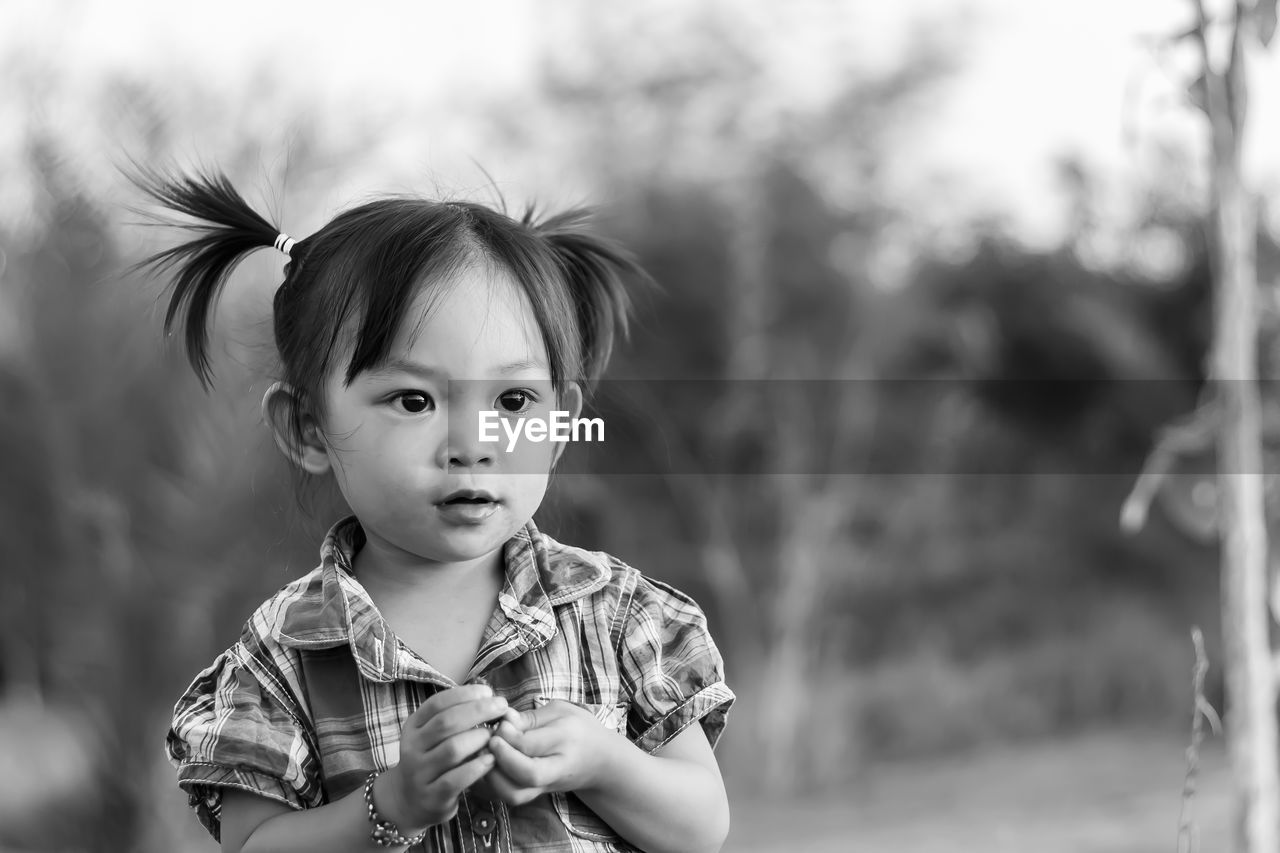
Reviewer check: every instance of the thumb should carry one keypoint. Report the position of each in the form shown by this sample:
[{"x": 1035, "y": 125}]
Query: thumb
[
  {"x": 540, "y": 715},
  {"x": 528, "y": 720}
]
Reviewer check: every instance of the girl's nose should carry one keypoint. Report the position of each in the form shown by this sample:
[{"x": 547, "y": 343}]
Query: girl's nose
[
  {"x": 468, "y": 457},
  {"x": 464, "y": 448}
]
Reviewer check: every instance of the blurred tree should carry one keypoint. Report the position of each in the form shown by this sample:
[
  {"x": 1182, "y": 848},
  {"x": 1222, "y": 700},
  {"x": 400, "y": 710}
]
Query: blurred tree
[
  {"x": 744, "y": 193},
  {"x": 142, "y": 526},
  {"x": 84, "y": 365},
  {"x": 1250, "y": 670},
  {"x": 766, "y": 227},
  {"x": 1233, "y": 421}
]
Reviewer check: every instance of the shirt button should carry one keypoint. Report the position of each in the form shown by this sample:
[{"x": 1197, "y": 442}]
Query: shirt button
[{"x": 483, "y": 823}]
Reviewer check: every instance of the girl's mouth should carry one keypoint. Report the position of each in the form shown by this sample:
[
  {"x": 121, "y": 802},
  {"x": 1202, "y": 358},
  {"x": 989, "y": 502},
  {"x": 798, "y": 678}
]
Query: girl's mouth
[
  {"x": 463, "y": 497},
  {"x": 468, "y": 507}
]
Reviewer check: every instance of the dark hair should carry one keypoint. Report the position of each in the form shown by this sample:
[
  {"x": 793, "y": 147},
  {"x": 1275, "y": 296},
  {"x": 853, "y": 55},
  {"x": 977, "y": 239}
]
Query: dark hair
[{"x": 360, "y": 272}]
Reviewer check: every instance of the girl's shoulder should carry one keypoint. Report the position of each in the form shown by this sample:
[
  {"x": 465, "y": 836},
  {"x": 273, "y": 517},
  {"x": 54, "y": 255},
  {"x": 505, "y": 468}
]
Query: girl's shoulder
[
  {"x": 605, "y": 576},
  {"x": 569, "y": 572},
  {"x": 301, "y": 612}
]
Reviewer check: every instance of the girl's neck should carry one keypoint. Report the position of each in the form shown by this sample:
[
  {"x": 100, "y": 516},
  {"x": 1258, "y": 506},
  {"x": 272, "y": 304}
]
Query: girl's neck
[
  {"x": 393, "y": 572},
  {"x": 440, "y": 611}
]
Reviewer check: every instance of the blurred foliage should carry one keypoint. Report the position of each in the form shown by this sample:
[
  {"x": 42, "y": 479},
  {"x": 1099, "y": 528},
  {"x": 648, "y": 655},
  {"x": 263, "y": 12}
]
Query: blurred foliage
[{"x": 987, "y": 593}]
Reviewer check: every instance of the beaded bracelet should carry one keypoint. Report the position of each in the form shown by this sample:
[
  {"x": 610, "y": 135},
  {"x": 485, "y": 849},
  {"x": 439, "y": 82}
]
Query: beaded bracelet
[{"x": 384, "y": 832}]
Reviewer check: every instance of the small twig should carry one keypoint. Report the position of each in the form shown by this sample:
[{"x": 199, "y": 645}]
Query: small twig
[
  {"x": 1190, "y": 435},
  {"x": 1188, "y": 831}
]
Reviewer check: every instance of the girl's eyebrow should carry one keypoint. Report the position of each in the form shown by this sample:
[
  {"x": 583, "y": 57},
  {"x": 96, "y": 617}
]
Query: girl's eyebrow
[
  {"x": 401, "y": 365},
  {"x": 522, "y": 366},
  {"x": 424, "y": 371}
]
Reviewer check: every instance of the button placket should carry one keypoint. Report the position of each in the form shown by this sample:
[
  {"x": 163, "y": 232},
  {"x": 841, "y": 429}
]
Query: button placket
[{"x": 484, "y": 823}]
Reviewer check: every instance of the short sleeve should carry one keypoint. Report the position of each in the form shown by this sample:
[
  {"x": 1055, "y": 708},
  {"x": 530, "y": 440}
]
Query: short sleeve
[
  {"x": 670, "y": 667},
  {"x": 237, "y": 727}
]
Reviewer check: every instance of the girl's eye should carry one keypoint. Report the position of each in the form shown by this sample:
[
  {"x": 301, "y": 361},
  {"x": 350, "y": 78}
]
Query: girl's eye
[
  {"x": 515, "y": 402},
  {"x": 414, "y": 402}
]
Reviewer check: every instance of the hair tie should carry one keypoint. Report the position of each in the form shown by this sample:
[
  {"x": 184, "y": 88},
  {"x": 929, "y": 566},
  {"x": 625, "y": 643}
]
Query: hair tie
[{"x": 284, "y": 243}]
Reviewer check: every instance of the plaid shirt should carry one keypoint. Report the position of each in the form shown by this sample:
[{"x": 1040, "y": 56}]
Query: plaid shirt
[{"x": 315, "y": 693}]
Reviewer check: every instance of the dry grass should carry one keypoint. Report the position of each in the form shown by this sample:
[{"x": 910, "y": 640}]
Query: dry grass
[{"x": 1116, "y": 792}]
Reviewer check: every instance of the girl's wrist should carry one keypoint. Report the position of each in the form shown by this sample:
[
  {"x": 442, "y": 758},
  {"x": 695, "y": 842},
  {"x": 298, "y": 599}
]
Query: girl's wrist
[{"x": 390, "y": 804}]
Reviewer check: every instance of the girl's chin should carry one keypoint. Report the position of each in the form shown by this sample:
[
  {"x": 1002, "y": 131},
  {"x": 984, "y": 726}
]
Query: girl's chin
[
  {"x": 480, "y": 533},
  {"x": 466, "y": 543}
]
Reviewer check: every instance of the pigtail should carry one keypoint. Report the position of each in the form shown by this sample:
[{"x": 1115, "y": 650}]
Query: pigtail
[
  {"x": 596, "y": 270},
  {"x": 226, "y": 230}
]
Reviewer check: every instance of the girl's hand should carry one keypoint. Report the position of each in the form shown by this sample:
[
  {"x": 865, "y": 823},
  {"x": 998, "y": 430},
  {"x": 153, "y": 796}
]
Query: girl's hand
[
  {"x": 513, "y": 720},
  {"x": 442, "y": 753},
  {"x": 563, "y": 747}
]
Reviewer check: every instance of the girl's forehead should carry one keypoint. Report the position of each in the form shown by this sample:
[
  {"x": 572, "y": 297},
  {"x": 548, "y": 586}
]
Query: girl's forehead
[{"x": 478, "y": 317}]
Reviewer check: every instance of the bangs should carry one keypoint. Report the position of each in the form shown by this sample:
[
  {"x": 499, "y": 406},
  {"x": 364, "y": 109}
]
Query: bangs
[
  {"x": 388, "y": 273},
  {"x": 510, "y": 248},
  {"x": 379, "y": 258}
]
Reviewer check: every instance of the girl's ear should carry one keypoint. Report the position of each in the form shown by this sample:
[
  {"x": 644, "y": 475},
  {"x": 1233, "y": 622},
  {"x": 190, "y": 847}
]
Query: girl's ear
[
  {"x": 303, "y": 447},
  {"x": 571, "y": 402}
]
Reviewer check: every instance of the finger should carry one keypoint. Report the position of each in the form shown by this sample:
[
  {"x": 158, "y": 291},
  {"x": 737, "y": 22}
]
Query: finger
[
  {"x": 455, "y": 751},
  {"x": 545, "y": 711},
  {"x": 447, "y": 699},
  {"x": 510, "y": 734},
  {"x": 524, "y": 771},
  {"x": 515, "y": 718},
  {"x": 532, "y": 719},
  {"x": 459, "y": 718},
  {"x": 539, "y": 743},
  {"x": 451, "y": 784},
  {"x": 504, "y": 789}
]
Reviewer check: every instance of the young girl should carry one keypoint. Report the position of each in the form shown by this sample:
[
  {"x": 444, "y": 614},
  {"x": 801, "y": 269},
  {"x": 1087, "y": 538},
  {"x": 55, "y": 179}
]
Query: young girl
[{"x": 449, "y": 678}]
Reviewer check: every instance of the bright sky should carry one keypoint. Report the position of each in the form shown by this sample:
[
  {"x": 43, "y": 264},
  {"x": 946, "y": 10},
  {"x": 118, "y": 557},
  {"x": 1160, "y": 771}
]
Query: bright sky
[
  {"x": 1038, "y": 78},
  {"x": 1041, "y": 79}
]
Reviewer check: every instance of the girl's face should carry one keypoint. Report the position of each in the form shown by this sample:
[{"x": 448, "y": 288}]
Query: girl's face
[{"x": 403, "y": 440}]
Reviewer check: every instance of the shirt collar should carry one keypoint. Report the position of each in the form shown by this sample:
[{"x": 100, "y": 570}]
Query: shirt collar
[{"x": 334, "y": 609}]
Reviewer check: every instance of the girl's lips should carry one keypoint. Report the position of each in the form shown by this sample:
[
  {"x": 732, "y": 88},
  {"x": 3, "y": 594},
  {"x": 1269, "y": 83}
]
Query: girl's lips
[
  {"x": 468, "y": 495},
  {"x": 467, "y": 512}
]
